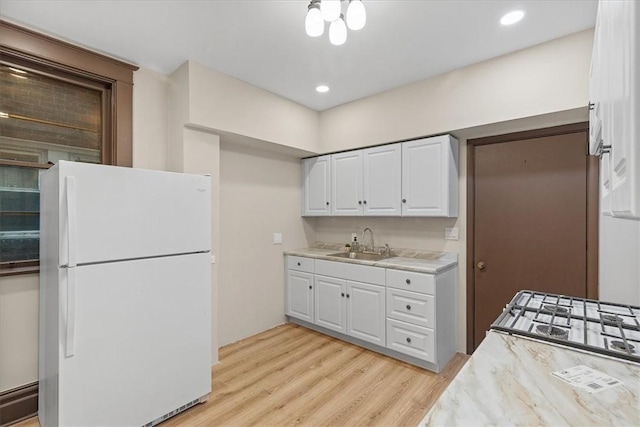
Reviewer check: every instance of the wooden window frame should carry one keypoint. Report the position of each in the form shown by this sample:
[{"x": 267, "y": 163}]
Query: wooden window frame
[{"x": 58, "y": 58}]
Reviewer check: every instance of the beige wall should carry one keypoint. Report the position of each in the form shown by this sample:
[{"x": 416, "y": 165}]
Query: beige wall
[
  {"x": 260, "y": 195},
  {"x": 18, "y": 330},
  {"x": 218, "y": 101},
  {"x": 150, "y": 114},
  {"x": 547, "y": 78}
]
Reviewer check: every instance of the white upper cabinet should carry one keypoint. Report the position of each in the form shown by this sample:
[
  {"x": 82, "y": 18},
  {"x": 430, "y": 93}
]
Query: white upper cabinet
[
  {"x": 346, "y": 181},
  {"x": 382, "y": 180},
  {"x": 367, "y": 182},
  {"x": 614, "y": 117},
  {"x": 316, "y": 175},
  {"x": 415, "y": 178},
  {"x": 430, "y": 177}
]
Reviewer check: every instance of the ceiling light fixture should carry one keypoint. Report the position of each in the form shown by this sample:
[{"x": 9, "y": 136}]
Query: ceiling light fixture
[
  {"x": 512, "y": 17},
  {"x": 331, "y": 11},
  {"x": 322, "y": 88},
  {"x": 313, "y": 23}
]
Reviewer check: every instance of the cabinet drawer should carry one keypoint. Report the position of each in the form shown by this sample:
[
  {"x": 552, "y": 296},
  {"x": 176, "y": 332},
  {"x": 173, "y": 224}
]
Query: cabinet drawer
[
  {"x": 411, "y": 307},
  {"x": 413, "y": 340},
  {"x": 416, "y": 282},
  {"x": 300, "y": 263}
]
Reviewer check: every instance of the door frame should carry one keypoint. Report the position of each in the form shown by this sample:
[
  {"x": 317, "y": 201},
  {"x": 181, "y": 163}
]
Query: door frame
[{"x": 593, "y": 166}]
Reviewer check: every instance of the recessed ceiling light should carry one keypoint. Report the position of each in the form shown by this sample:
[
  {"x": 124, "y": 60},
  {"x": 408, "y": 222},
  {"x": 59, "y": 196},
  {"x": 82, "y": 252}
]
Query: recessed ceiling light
[
  {"x": 512, "y": 17},
  {"x": 322, "y": 88}
]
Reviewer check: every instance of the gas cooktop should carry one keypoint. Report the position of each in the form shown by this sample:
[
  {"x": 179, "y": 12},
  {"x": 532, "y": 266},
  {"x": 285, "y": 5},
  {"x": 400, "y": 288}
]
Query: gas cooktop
[{"x": 600, "y": 327}]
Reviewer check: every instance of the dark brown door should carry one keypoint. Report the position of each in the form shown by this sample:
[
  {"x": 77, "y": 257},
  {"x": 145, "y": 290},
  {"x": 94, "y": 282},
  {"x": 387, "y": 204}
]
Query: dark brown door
[{"x": 530, "y": 221}]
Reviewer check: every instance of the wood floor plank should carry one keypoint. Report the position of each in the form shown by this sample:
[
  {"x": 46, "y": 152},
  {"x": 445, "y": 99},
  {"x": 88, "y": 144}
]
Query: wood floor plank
[{"x": 290, "y": 375}]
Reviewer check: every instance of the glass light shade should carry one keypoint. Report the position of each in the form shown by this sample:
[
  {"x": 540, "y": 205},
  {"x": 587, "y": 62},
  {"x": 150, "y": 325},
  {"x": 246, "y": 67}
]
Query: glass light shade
[
  {"x": 313, "y": 23},
  {"x": 356, "y": 15},
  {"x": 338, "y": 32},
  {"x": 330, "y": 9}
]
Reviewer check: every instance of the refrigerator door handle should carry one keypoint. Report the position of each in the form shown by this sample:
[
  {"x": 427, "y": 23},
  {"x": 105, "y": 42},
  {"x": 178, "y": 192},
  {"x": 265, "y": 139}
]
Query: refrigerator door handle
[
  {"x": 71, "y": 312},
  {"x": 71, "y": 220}
]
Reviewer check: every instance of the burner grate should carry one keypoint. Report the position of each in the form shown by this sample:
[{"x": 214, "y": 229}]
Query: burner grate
[{"x": 605, "y": 328}]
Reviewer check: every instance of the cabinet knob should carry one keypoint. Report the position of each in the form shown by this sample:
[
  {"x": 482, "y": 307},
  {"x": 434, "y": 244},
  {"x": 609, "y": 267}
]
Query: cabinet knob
[
  {"x": 298, "y": 264},
  {"x": 408, "y": 307},
  {"x": 327, "y": 203},
  {"x": 342, "y": 295},
  {"x": 365, "y": 202},
  {"x": 359, "y": 202},
  {"x": 408, "y": 281},
  {"x": 347, "y": 295},
  {"x": 310, "y": 287},
  {"x": 409, "y": 340},
  {"x": 404, "y": 200}
]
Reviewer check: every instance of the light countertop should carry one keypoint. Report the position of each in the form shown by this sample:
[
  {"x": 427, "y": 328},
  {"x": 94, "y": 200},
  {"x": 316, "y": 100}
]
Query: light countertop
[
  {"x": 508, "y": 381},
  {"x": 402, "y": 259}
]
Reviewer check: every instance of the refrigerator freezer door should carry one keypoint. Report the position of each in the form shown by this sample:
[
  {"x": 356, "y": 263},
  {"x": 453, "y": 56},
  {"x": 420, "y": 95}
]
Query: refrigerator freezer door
[
  {"x": 142, "y": 340},
  {"x": 118, "y": 213}
]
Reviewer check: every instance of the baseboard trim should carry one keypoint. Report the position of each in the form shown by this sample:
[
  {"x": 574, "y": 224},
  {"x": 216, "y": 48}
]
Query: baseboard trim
[{"x": 18, "y": 404}]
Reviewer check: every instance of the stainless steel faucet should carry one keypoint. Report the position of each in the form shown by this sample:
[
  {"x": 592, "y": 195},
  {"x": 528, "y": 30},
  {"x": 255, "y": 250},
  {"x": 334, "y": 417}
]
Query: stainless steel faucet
[{"x": 371, "y": 246}]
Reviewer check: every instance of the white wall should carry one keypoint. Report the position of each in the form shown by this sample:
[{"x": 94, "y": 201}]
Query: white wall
[
  {"x": 260, "y": 195},
  {"x": 619, "y": 260}
]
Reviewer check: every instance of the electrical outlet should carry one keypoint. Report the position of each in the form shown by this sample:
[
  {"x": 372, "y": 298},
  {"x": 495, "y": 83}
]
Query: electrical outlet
[
  {"x": 354, "y": 236},
  {"x": 277, "y": 238},
  {"x": 451, "y": 233}
]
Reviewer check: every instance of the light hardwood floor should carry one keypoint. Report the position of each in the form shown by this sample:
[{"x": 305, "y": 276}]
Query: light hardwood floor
[{"x": 291, "y": 375}]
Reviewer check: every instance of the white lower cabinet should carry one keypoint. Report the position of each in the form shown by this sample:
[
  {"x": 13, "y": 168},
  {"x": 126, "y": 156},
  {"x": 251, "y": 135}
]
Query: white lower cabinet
[
  {"x": 352, "y": 308},
  {"x": 412, "y": 307},
  {"x": 299, "y": 287},
  {"x": 300, "y": 295},
  {"x": 410, "y": 339},
  {"x": 407, "y": 315},
  {"x": 330, "y": 306},
  {"x": 365, "y": 312}
]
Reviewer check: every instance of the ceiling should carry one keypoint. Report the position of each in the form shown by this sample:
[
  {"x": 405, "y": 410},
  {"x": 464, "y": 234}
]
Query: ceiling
[{"x": 264, "y": 42}]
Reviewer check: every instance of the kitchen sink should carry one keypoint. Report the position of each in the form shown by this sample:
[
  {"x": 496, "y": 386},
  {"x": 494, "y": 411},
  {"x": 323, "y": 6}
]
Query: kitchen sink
[{"x": 365, "y": 256}]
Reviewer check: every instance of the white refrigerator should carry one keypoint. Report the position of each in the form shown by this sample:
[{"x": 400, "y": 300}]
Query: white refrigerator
[{"x": 125, "y": 295}]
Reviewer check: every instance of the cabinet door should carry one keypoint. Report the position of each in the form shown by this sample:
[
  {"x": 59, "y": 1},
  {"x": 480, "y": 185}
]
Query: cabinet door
[
  {"x": 382, "y": 180},
  {"x": 299, "y": 302},
  {"x": 430, "y": 177},
  {"x": 346, "y": 181},
  {"x": 330, "y": 307},
  {"x": 366, "y": 312},
  {"x": 316, "y": 186}
]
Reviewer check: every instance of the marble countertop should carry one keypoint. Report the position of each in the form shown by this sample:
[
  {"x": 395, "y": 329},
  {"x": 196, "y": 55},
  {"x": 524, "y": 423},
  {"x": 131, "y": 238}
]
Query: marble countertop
[
  {"x": 402, "y": 259},
  {"x": 508, "y": 381}
]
